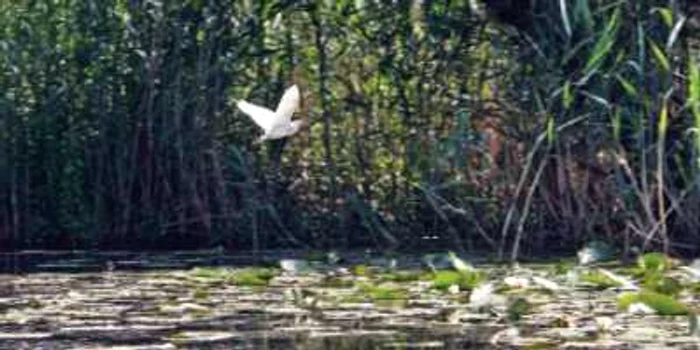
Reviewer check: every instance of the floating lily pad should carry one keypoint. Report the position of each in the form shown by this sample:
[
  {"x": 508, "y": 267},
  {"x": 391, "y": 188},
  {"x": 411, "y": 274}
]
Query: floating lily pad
[
  {"x": 662, "y": 304},
  {"x": 443, "y": 280}
]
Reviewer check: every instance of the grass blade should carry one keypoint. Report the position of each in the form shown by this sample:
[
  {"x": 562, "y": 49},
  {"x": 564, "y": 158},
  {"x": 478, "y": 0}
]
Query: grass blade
[
  {"x": 604, "y": 44},
  {"x": 660, "y": 56},
  {"x": 565, "y": 17}
]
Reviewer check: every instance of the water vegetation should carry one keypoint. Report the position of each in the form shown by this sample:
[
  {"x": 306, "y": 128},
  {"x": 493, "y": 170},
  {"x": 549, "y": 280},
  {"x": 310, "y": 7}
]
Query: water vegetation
[
  {"x": 244, "y": 277},
  {"x": 664, "y": 305},
  {"x": 197, "y": 306}
]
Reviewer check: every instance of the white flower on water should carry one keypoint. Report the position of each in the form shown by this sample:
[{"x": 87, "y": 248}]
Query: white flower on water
[
  {"x": 294, "y": 266},
  {"x": 277, "y": 124},
  {"x": 516, "y": 282},
  {"x": 604, "y": 324},
  {"x": 482, "y": 296},
  {"x": 640, "y": 309},
  {"x": 453, "y": 289}
]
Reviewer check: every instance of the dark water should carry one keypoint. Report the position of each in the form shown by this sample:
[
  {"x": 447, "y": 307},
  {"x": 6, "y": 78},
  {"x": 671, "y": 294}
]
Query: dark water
[{"x": 95, "y": 261}]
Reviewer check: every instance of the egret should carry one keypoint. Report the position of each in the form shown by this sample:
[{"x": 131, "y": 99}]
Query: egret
[{"x": 275, "y": 124}]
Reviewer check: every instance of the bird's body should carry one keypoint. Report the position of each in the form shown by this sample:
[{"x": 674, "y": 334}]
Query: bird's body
[
  {"x": 281, "y": 131},
  {"x": 275, "y": 124}
]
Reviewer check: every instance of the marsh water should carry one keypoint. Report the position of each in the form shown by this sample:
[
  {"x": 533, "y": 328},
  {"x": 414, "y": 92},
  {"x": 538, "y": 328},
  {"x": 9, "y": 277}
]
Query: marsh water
[{"x": 82, "y": 300}]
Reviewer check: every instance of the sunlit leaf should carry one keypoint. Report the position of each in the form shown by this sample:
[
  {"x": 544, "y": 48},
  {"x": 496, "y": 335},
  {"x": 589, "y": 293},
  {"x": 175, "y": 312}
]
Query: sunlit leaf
[
  {"x": 551, "y": 133},
  {"x": 567, "y": 95},
  {"x": 654, "y": 262},
  {"x": 663, "y": 118},
  {"x": 660, "y": 56},
  {"x": 663, "y": 304},
  {"x": 627, "y": 86},
  {"x": 674, "y": 33},
  {"x": 694, "y": 97},
  {"x": 666, "y": 15},
  {"x": 605, "y": 43}
]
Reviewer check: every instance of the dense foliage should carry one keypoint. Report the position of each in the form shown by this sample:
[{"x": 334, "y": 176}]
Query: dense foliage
[{"x": 429, "y": 123}]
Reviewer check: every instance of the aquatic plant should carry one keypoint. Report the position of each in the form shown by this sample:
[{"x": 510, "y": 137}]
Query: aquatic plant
[
  {"x": 599, "y": 280},
  {"x": 443, "y": 280},
  {"x": 246, "y": 277},
  {"x": 664, "y": 305}
]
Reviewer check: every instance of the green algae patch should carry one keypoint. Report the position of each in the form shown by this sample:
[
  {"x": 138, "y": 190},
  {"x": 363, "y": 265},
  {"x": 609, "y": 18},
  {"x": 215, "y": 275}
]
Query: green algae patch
[
  {"x": 252, "y": 277},
  {"x": 243, "y": 277},
  {"x": 361, "y": 270},
  {"x": 385, "y": 295},
  {"x": 661, "y": 284},
  {"x": 443, "y": 280},
  {"x": 664, "y": 305},
  {"x": 599, "y": 280},
  {"x": 654, "y": 262}
]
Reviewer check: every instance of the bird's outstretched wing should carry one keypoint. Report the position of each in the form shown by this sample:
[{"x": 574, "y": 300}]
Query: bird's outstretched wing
[
  {"x": 288, "y": 105},
  {"x": 262, "y": 116}
]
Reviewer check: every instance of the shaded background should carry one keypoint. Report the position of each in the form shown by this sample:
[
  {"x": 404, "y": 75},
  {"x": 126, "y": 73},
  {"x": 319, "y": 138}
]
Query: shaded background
[{"x": 507, "y": 126}]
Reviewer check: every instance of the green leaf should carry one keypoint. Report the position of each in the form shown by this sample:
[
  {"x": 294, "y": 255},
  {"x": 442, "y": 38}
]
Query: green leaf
[
  {"x": 664, "y": 305},
  {"x": 627, "y": 86},
  {"x": 442, "y": 280},
  {"x": 626, "y": 299},
  {"x": 666, "y": 15},
  {"x": 654, "y": 262},
  {"x": 550, "y": 129},
  {"x": 663, "y": 119},
  {"x": 660, "y": 56},
  {"x": 694, "y": 89},
  {"x": 604, "y": 44},
  {"x": 599, "y": 280},
  {"x": 567, "y": 95},
  {"x": 659, "y": 283}
]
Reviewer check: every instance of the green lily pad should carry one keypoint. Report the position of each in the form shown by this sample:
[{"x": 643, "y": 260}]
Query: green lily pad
[
  {"x": 664, "y": 305},
  {"x": 442, "y": 280}
]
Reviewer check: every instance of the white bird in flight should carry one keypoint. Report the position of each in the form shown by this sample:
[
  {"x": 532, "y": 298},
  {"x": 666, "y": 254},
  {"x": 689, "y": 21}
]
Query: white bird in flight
[{"x": 277, "y": 124}]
